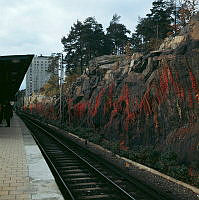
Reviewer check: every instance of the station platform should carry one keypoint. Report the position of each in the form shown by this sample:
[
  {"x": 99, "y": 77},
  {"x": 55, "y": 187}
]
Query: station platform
[{"x": 24, "y": 174}]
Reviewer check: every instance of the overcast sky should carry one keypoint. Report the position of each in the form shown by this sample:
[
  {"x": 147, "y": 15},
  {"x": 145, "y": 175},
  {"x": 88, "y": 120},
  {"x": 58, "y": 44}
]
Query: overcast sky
[{"x": 37, "y": 26}]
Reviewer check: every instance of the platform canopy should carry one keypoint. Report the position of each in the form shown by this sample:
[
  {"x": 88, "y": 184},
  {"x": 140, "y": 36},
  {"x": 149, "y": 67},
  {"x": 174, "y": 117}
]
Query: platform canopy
[{"x": 12, "y": 71}]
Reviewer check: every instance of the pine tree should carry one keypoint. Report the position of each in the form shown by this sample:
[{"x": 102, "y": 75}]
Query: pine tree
[
  {"x": 93, "y": 37},
  {"x": 85, "y": 41},
  {"x": 161, "y": 18},
  {"x": 136, "y": 43},
  {"x": 117, "y": 35},
  {"x": 156, "y": 26},
  {"x": 73, "y": 46}
]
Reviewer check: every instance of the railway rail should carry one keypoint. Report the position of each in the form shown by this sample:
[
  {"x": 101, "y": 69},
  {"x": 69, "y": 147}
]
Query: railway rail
[{"x": 80, "y": 174}]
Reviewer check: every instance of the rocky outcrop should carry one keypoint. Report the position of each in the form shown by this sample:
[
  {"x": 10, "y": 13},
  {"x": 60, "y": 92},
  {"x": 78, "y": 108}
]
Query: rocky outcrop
[
  {"x": 172, "y": 43},
  {"x": 188, "y": 38},
  {"x": 143, "y": 99}
]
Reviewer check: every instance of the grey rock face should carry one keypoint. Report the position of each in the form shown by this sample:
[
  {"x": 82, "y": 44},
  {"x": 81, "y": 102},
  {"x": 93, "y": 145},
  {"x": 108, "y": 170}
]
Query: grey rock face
[{"x": 143, "y": 100}]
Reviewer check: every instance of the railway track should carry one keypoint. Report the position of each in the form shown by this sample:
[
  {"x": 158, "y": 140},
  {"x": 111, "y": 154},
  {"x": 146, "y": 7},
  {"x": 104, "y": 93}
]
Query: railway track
[{"x": 80, "y": 175}]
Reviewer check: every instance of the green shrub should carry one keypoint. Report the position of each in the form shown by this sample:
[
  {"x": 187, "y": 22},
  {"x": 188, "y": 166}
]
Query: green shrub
[
  {"x": 152, "y": 157},
  {"x": 95, "y": 138},
  {"x": 132, "y": 155},
  {"x": 180, "y": 173},
  {"x": 169, "y": 158},
  {"x": 114, "y": 147}
]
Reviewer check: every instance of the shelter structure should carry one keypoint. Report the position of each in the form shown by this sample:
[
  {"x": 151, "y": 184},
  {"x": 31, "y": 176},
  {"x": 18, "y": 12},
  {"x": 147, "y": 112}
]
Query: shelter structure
[{"x": 12, "y": 71}]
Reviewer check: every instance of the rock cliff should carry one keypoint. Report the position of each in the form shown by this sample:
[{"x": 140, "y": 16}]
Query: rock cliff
[{"x": 150, "y": 100}]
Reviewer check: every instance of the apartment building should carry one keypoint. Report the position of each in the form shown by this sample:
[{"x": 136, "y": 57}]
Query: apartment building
[{"x": 38, "y": 74}]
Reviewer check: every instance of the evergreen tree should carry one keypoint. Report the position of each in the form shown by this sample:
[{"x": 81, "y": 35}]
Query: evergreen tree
[
  {"x": 93, "y": 37},
  {"x": 136, "y": 43},
  {"x": 117, "y": 35},
  {"x": 156, "y": 26},
  {"x": 73, "y": 46},
  {"x": 161, "y": 18},
  {"x": 85, "y": 41}
]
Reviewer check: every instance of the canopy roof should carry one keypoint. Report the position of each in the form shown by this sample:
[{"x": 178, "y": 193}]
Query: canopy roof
[{"x": 12, "y": 71}]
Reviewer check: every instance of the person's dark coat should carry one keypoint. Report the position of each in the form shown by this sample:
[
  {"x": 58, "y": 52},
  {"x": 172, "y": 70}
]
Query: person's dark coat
[
  {"x": 1, "y": 113},
  {"x": 7, "y": 111}
]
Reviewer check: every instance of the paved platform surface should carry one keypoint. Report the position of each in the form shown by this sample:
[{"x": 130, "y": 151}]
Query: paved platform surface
[{"x": 24, "y": 174}]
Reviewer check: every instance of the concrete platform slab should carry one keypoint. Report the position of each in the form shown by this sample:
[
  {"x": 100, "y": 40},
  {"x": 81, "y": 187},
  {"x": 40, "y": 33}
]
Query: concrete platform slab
[{"x": 24, "y": 173}]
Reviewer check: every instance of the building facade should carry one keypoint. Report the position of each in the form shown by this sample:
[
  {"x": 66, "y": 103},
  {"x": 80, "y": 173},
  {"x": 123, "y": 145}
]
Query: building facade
[{"x": 38, "y": 74}]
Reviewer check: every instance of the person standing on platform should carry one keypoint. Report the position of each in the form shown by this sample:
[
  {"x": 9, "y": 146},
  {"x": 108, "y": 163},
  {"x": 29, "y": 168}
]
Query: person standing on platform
[
  {"x": 7, "y": 113},
  {"x": 1, "y": 113}
]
